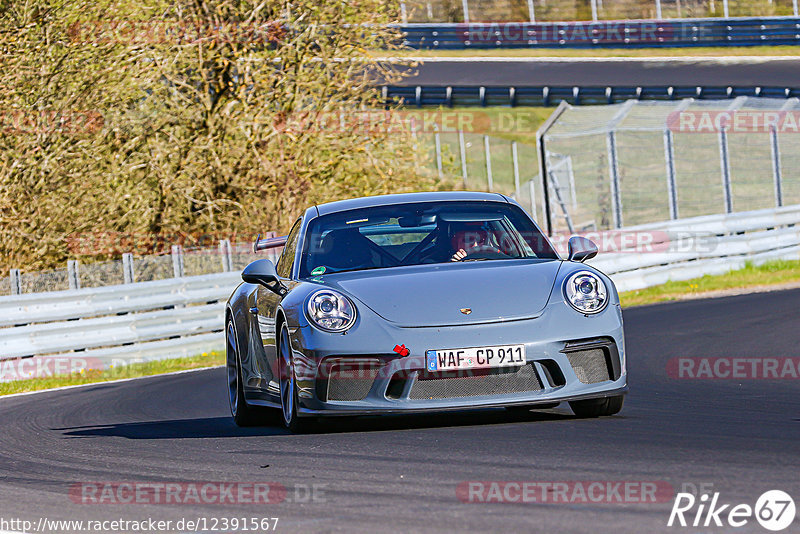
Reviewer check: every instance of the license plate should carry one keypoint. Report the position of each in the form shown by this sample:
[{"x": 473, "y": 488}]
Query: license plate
[{"x": 475, "y": 358}]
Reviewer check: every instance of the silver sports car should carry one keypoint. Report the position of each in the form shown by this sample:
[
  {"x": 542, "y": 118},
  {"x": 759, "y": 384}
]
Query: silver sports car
[{"x": 421, "y": 302}]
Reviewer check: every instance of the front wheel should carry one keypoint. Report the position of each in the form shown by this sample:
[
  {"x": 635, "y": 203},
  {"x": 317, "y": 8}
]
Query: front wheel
[
  {"x": 288, "y": 386},
  {"x": 597, "y": 407}
]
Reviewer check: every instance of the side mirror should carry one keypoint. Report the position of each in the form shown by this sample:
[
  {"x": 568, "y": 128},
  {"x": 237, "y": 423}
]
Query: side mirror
[
  {"x": 263, "y": 272},
  {"x": 581, "y": 249}
]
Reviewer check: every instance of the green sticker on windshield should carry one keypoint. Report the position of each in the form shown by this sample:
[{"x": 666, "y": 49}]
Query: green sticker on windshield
[{"x": 319, "y": 270}]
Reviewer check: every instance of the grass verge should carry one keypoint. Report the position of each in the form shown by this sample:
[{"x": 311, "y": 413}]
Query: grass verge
[
  {"x": 700, "y": 51},
  {"x": 134, "y": 370},
  {"x": 769, "y": 275}
]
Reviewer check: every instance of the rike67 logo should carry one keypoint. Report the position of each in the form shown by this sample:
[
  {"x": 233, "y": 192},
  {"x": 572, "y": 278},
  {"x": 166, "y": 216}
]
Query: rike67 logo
[{"x": 774, "y": 510}]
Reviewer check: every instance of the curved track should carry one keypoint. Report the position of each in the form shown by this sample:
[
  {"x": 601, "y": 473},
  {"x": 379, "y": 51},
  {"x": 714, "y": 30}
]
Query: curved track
[{"x": 401, "y": 473}]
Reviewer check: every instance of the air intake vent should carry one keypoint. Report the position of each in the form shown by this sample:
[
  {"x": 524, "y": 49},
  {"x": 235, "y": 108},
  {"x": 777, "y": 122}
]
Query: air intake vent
[
  {"x": 493, "y": 382},
  {"x": 590, "y": 366}
]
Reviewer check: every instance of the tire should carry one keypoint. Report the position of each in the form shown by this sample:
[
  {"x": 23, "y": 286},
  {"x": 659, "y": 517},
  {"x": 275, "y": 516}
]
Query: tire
[
  {"x": 243, "y": 414},
  {"x": 288, "y": 387},
  {"x": 597, "y": 407}
]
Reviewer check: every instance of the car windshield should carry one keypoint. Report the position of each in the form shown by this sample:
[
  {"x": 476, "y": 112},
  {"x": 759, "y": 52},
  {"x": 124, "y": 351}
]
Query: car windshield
[{"x": 420, "y": 233}]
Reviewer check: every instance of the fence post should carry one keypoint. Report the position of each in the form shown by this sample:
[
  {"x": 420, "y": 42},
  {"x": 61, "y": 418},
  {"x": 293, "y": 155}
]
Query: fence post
[
  {"x": 16, "y": 281},
  {"x": 177, "y": 261},
  {"x": 613, "y": 171},
  {"x": 658, "y": 9},
  {"x": 669, "y": 158},
  {"x": 725, "y": 12},
  {"x": 127, "y": 267},
  {"x": 462, "y": 146},
  {"x": 403, "y": 13},
  {"x": 532, "y": 187},
  {"x": 488, "y": 156},
  {"x": 515, "y": 164},
  {"x": 776, "y": 165},
  {"x": 594, "y": 10},
  {"x": 794, "y": 7},
  {"x": 438, "y": 142},
  {"x": 532, "y": 11},
  {"x": 225, "y": 255},
  {"x": 465, "y": 7},
  {"x": 724, "y": 162},
  {"x": 72, "y": 274}
]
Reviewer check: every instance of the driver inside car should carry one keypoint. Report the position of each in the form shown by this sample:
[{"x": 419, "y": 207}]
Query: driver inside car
[{"x": 469, "y": 241}]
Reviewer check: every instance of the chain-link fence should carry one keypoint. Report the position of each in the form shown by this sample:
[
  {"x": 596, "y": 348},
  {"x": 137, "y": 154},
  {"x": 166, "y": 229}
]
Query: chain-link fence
[
  {"x": 131, "y": 269},
  {"x": 482, "y": 162},
  {"x": 642, "y": 162},
  {"x": 421, "y": 11}
]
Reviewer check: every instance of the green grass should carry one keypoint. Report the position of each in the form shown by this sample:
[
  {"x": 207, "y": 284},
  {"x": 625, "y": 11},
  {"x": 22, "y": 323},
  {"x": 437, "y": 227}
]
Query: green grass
[
  {"x": 129, "y": 371},
  {"x": 604, "y": 52},
  {"x": 769, "y": 274}
]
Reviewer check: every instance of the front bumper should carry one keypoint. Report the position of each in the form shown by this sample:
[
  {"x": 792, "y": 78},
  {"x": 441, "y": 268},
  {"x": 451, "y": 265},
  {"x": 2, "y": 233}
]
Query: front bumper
[{"x": 569, "y": 357}]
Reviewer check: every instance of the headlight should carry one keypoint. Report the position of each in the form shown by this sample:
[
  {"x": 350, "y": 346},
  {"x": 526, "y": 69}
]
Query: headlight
[
  {"x": 586, "y": 292},
  {"x": 331, "y": 311}
]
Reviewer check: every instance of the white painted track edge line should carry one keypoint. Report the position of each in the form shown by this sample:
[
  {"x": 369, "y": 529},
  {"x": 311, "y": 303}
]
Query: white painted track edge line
[{"x": 118, "y": 381}]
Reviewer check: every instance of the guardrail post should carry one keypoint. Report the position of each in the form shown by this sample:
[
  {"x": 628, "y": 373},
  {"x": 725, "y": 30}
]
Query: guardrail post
[
  {"x": 613, "y": 171},
  {"x": 594, "y": 10},
  {"x": 465, "y": 7},
  {"x": 669, "y": 158},
  {"x": 725, "y": 165},
  {"x": 15, "y": 278},
  {"x": 127, "y": 267},
  {"x": 488, "y": 156},
  {"x": 403, "y": 13},
  {"x": 794, "y": 7},
  {"x": 177, "y": 261},
  {"x": 532, "y": 11},
  {"x": 658, "y": 9},
  {"x": 776, "y": 165},
  {"x": 226, "y": 255},
  {"x": 462, "y": 146},
  {"x": 72, "y": 274}
]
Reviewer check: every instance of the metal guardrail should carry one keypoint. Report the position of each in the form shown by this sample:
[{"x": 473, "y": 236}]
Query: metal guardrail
[
  {"x": 689, "y": 248},
  {"x": 550, "y": 95},
  {"x": 103, "y": 326},
  {"x": 98, "y": 327},
  {"x": 746, "y": 31}
]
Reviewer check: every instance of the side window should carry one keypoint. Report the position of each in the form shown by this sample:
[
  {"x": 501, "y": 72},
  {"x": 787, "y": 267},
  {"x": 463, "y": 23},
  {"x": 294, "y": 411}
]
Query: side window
[{"x": 285, "y": 262}]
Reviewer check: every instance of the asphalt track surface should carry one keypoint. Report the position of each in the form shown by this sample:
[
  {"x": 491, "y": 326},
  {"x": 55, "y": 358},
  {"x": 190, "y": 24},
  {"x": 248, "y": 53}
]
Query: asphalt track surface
[
  {"x": 611, "y": 72},
  {"x": 399, "y": 474}
]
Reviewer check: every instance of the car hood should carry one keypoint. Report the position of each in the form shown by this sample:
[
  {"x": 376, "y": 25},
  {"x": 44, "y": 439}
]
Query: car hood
[{"x": 434, "y": 295}]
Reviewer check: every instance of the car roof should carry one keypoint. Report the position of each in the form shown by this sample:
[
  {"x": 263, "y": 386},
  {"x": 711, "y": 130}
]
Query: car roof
[{"x": 406, "y": 198}]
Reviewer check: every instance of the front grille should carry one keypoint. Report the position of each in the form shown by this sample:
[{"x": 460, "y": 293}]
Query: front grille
[
  {"x": 590, "y": 366},
  {"x": 350, "y": 382},
  {"x": 491, "y": 382}
]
